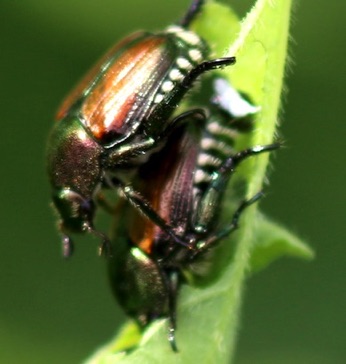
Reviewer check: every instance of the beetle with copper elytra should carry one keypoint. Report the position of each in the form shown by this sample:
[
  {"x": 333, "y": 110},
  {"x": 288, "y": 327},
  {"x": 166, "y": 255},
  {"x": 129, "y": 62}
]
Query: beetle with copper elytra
[{"x": 120, "y": 113}]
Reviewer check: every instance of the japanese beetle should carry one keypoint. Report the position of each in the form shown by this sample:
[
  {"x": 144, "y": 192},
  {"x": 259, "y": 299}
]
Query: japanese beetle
[
  {"x": 185, "y": 184},
  {"x": 118, "y": 114}
]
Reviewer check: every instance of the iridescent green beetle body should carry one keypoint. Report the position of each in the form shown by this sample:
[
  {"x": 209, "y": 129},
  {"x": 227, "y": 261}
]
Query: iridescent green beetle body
[{"x": 120, "y": 113}]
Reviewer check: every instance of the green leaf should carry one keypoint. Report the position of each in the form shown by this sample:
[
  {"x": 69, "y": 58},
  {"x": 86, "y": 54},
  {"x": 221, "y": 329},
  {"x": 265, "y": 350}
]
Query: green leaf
[
  {"x": 128, "y": 337},
  {"x": 273, "y": 241},
  {"x": 208, "y": 316}
]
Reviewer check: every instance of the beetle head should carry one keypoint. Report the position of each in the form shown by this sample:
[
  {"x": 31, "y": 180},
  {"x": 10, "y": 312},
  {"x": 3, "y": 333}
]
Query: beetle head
[
  {"x": 75, "y": 173},
  {"x": 77, "y": 215}
]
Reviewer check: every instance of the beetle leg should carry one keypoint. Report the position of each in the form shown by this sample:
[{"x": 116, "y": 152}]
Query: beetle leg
[
  {"x": 140, "y": 204},
  {"x": 230, "y": 163},
  {"x": 234, "y": 225},
  {"x": 146, "y": 209},
  {"x": 173, "y": 287},
  {"x": 105, "y": 248},
  {"x": 243, "y": 154},
  {"x": 128, "y": 151},
  {"x": 205, "y": 214},
  {"x": 191, "y": 13},
  {"x": 205, "y": 67},
  {"x": 198, "y": 115}
]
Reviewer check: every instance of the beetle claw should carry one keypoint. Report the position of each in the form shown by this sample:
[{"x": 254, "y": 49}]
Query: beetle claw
[
  {"x": 105, "y": 249},
  {"x": 171, "y": 339}
]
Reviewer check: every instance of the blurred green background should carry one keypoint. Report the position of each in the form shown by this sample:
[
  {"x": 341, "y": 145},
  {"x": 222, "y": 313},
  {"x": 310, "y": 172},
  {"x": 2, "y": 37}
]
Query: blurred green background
[{"x": 53, "y": 311}]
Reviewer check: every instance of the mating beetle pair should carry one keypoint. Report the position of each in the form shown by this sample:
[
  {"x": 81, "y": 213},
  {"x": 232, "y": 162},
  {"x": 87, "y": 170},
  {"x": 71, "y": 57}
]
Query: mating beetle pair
[
  {"x": 109, "y": 129},
  {"x": 185, "y": 182},
  {"x": 120, "y": 112}
]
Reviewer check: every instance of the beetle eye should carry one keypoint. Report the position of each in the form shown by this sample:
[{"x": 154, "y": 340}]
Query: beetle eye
[
  {"x": 72, "y": 204},
  {"x": 86, "y": 206}
]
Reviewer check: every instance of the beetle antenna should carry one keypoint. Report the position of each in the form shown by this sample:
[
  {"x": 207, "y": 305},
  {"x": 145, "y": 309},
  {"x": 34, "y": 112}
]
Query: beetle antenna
[{"x": 67, "y": 246}]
